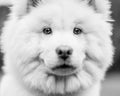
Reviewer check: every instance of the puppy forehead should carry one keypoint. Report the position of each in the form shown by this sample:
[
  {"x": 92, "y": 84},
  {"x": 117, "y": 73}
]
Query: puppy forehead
[{"x": 63, "y": 11}]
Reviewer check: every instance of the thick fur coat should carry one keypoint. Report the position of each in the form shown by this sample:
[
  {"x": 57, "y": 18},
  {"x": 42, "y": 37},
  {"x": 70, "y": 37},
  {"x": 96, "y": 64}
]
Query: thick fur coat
[{"x": 30, "y": 53}]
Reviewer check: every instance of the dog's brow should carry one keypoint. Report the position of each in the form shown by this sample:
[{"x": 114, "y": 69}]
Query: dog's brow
[
  {"x": 46, "y": 22},
  {"x": 78, "y": 21}
]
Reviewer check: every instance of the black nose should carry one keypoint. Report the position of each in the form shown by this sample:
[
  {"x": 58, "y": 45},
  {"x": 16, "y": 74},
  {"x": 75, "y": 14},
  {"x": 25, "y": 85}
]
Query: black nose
[{"x": 64, "y": 52}]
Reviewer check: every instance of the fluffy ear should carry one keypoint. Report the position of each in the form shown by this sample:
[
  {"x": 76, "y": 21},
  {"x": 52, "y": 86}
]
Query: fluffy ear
[
  {"x": 20, "y": 7},
  {"x": 101, "y": 6},
  {"x": 34, "y": 3}
]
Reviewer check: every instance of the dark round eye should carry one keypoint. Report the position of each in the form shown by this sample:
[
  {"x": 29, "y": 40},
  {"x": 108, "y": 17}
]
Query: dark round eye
[
  {"x": 77, "y": 31},
  {"x": 47, "y": 30}
]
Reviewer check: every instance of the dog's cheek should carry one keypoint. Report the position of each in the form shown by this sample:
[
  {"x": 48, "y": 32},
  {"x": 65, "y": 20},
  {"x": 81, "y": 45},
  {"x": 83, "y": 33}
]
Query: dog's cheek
[
  {"x": 93, "y": 70},
  {"x": 100, "y": 51},
  {"x": 79, "y": 55},
  {"x": 98, "y": 59},
  {"x": 36, "y": 82},
  {"x": 23, "y": 51},
  {"x": 78, "y": 59},
  {"x": 49, "y": 57}
]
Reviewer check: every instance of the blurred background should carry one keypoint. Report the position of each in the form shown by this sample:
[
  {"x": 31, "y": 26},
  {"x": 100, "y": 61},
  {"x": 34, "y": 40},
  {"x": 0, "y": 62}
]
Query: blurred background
[{"x": 111, "y": 85}]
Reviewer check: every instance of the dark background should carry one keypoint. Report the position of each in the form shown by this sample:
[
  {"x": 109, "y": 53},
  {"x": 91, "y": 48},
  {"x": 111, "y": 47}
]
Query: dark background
[{"x": 116, "y": 33}]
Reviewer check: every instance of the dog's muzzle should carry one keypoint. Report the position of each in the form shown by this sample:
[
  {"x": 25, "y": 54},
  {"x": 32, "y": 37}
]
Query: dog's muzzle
[{"x": 64, "y": 68}]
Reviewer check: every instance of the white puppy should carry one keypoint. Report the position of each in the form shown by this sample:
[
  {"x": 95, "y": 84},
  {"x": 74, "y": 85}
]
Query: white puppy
[{"x": 56, "y": 47}]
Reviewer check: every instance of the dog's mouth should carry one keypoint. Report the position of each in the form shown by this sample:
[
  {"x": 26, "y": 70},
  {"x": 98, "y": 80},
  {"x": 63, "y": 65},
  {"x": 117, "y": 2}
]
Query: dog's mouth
[{"x": 63, "y": 70}]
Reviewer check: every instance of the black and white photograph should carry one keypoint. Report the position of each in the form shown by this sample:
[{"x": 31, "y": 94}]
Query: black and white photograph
[{"x": 59, "y": 47}]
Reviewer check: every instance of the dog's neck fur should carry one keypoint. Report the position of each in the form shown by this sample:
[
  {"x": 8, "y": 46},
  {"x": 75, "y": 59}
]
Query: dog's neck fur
[{"x": 92, "y": 91}]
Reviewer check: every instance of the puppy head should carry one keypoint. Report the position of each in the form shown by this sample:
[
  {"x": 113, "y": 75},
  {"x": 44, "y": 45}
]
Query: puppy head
[{"x": 59, "y": 46}]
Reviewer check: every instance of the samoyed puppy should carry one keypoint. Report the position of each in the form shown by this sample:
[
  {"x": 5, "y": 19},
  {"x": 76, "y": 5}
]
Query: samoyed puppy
[{"x": 56, "y": 47}]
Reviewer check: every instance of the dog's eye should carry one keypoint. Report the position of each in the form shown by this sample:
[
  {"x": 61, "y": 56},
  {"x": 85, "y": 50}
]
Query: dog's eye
[
  {"x": 47, "y": 30},
  {"x": 77, "y": 31}
]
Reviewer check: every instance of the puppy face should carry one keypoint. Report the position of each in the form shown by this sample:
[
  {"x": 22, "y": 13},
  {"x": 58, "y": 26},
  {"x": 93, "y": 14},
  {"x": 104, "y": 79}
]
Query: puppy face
[{"x": 59, "y": 47}]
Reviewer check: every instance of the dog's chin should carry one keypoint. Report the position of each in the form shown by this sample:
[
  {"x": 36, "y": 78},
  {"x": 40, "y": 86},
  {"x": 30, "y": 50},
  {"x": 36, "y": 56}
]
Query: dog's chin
[
  {"x": 65, "y": 79},
  {"x": 61, "y": 79}
]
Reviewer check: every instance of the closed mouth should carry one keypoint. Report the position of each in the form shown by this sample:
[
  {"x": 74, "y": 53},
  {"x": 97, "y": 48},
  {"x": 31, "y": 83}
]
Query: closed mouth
[{"x": 63, "y": 70}]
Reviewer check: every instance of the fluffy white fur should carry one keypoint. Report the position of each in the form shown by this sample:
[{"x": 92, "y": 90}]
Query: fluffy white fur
[{"x": 29, "y": 54}]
